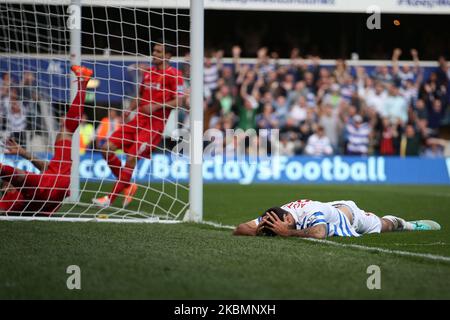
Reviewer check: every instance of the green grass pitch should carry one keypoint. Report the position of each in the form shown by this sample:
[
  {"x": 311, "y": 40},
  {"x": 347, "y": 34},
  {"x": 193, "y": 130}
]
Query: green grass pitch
[{"x": 192, "y": 261}]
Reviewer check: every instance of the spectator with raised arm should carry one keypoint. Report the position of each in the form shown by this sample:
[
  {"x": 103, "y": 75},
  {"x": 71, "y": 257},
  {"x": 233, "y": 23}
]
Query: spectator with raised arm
[{"x": 249, "y": 107}]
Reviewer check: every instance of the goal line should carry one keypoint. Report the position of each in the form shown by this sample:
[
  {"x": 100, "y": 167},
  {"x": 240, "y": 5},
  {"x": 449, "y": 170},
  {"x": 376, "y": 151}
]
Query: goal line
[{"x": 111, "y": 220}]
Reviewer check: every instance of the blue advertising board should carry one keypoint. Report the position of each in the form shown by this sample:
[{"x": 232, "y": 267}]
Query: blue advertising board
[
  {"x": 328, "y": 170},
  {"x": 51, "y": 77}
]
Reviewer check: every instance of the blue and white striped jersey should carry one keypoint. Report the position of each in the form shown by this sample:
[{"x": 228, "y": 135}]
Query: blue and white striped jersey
[
  {"x": 358, "y": 138},
  {"x": 308, "y": 213}
]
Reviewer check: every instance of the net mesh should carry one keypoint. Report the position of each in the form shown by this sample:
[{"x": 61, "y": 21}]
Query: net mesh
[{"x": 117, "y": 44}]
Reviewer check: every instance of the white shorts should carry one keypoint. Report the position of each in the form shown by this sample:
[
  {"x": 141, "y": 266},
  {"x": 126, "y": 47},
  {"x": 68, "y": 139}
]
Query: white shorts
[{"x": 364, "y": 222}]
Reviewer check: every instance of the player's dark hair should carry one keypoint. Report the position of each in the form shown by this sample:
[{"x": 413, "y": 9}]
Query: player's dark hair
[
  {"x": 280, "y": 214},
  {"x": 169, "y": 46}
]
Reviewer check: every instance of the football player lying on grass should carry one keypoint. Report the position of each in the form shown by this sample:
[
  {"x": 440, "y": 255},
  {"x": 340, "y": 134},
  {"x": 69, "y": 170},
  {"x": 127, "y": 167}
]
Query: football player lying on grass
[{"x": 314, "y": 219}]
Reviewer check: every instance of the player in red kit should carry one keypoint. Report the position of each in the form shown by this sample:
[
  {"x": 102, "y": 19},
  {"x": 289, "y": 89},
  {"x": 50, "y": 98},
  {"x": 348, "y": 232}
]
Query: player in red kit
[
  {"x": 43, "y": 193},
  {"x": 159, "y": 94}
]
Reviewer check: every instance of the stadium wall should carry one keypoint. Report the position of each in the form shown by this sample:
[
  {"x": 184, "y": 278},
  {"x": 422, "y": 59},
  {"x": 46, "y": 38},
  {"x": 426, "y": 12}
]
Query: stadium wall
[{"x": 284, "y": 170}]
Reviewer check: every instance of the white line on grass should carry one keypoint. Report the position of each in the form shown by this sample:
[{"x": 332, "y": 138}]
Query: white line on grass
[
  {"x": 221, "y": 226},
  {"x": 217, "y": 225},
  {"x": 93, "y": 219},
  {"x": 419, "y": 244},
  {"x": 355, "y": 246},
  {"x": 375, "y": 249}
]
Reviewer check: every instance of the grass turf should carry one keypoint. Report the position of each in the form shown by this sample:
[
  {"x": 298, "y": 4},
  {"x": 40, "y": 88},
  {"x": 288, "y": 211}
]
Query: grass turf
[{"x": 190, "y": 261}]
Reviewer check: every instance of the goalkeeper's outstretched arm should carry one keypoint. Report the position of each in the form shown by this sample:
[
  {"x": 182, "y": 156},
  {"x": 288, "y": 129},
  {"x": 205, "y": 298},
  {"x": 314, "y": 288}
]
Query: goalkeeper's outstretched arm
[{"x": 13, "y": 148}]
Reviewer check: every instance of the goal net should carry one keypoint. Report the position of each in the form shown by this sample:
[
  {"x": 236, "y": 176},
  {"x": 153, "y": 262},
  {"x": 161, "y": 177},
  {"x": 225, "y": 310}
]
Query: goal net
[{"x": 39, "y": 41}]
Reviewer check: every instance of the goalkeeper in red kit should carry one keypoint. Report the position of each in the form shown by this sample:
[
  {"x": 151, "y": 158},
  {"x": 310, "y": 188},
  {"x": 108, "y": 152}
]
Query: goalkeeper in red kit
[
  {"x": 160, "y": 92},
  {"x": 43, "y": 193}
]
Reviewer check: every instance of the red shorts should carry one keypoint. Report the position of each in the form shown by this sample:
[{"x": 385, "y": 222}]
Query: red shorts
[
  {"x": 43, "y": 193},
  {"x": 138, "y": 137}
]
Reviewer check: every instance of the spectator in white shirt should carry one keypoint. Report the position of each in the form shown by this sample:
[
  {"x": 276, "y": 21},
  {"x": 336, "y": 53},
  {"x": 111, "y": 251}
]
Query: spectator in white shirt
[
  {"x": 318, "y": 144},
  {"x": 298, "y": 111},
  {"x": 376, "y": 98}
]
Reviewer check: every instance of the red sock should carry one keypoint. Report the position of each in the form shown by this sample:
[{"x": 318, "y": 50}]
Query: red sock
[
  {"x": 124, "y": 181},
  {"x": 75, "y": 111},
  {"x": 114, "y": 163}
]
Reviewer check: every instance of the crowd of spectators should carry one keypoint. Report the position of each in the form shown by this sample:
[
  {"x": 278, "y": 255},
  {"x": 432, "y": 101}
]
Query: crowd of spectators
[
  {"x": 21, "y": 117},
  {"x": 319, "y": 110},
  {"x": 19, "y": 107}
]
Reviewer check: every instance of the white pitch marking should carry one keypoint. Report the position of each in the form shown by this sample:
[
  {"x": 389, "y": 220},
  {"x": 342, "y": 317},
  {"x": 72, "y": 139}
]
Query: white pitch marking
[
  {"x": 218, "y": 225},
  {"x": 356, "y": 246}
]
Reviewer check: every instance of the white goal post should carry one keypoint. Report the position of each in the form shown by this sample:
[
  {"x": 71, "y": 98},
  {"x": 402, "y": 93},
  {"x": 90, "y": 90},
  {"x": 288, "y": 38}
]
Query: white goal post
[{"x": 41, "y": 39}]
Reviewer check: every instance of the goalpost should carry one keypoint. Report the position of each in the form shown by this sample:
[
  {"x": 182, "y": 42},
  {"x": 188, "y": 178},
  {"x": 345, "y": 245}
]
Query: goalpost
[{"x": 41, "y": 39}]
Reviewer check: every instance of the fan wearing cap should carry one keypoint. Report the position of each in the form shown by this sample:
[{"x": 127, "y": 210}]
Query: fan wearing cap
[{"x": 315, "y": 219}]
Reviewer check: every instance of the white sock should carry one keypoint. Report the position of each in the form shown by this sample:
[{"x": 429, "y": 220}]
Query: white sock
[
  {"x": 408, "y": 226},
  {"x": 399, "y": 223}
]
